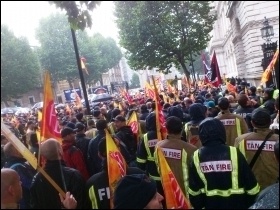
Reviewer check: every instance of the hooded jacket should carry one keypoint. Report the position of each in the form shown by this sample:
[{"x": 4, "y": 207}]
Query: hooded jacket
[
  {"x": 197, "y": 114},
  {"x": 216, "y": 191}
]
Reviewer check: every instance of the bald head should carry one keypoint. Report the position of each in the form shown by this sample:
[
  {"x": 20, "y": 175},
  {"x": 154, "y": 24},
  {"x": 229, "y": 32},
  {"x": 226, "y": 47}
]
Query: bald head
[
  {"x": 11, "y": 151},
  {"x": 9, "y": 178},
  {"x": 51, "y": 149}
]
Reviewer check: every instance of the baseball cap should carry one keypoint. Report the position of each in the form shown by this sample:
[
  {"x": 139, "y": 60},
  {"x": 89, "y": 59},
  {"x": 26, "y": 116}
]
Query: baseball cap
[
  {"x": 119, "y": 118},
  {"x": 134, "y": 192},
  {"x": 66, "y": 131}
]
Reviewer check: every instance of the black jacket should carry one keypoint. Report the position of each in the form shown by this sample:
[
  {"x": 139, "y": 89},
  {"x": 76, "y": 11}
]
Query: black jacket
[
  {"x": 82, "y": 143},
  {"x": 45, "y": 196},
  {"x": 98, "y": 187},
  {"x": 221, "y": 180},
  {"x": 93, "y": 160},
  {"x": 126, "y": 135}
]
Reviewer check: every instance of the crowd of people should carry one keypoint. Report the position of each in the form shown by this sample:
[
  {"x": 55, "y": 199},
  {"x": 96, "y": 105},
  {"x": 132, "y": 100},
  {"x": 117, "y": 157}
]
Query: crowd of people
[{"x": 221, "y": 146}]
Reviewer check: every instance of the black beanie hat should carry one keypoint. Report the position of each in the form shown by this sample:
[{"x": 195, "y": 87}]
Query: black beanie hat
[{"x": 134, "y": 192}]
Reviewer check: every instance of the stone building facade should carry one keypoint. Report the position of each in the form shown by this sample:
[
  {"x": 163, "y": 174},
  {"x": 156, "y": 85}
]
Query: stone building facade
[{"x": 236, "y": 37}]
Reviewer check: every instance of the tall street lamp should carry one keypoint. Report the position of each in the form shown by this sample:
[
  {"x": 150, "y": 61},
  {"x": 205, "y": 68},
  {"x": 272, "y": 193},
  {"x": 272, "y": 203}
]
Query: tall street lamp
[{"x": 269, "y": 49}]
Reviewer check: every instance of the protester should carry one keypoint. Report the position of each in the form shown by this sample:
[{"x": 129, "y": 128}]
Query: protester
[
  {"x": 72, "y": 155},
  {"x": 190, "y": 132},
  {"x": 264, "y": 169},
  {"x": 234, "y": 124},
  {"x": 91, "y": 132},
  {"x": 219, "y": 177},
  {"x": 269, "y": 197},
  {"x": 26, "y": 173},
  {"x": 98, "y": 184},
  {"x": 177, "y": 152},
  {"x": 94, "y": 160},
  {"x": 43, "y": 194},
  {"x": 81, "y": 141},
  {"x": 126, "y": 139},
  {"x": 145, "y": 151},
  {"x": 137, "y": 192},
  {"x": 11, "y": 191}
]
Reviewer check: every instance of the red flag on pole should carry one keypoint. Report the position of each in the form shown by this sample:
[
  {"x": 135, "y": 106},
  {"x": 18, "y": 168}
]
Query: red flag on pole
[
  {"x": 50, "y": 126},
  {"x": 212, "y": 73}
]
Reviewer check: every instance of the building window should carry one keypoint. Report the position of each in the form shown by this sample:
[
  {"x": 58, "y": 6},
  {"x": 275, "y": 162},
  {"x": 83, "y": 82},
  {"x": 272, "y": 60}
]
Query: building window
[{"x": 31, "y": 100}]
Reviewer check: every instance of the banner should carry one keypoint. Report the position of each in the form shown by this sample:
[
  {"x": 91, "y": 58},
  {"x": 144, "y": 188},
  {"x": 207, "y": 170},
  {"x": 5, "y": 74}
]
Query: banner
[
  {"x": 70, "y": 95},
  {"x": 49, "y": 124}
]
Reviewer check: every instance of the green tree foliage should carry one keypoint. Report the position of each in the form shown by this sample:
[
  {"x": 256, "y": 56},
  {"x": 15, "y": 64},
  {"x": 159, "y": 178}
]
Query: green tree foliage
[
  {"x": 162, "y": 33},
  {"x": 57, "y": 52},
  {"x": 77, "y": 12},
  {"x": 135, "y": 81},
  {"x": 19, "y": 66}
]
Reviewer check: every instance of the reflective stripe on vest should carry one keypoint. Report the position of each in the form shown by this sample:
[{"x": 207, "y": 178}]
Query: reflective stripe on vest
[
  {"x": 92, "y": 198},
  {"x": 139, "y": 160},
  {"x": 111, "y": 128},
  {"x": 185, "y": 171},
  {"x": 186, "y": 129},
  {"x": 149, "y": 155},
  {"x": 238, "y": 127},
  {"x": 156, "y": 178},
  {"x": 241, "y": 147},
  {"x": 234, "y": 177}
]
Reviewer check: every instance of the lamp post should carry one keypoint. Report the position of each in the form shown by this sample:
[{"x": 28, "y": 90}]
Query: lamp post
[{"x": 269, "y": 49}]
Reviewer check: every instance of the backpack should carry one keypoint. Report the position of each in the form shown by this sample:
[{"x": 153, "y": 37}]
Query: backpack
[{"x": 28, "y": 174}]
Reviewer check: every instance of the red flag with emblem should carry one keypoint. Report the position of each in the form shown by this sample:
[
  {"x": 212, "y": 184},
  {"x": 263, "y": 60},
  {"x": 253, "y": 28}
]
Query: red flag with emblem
[
  {"x": 133, "y": 123},
  {"x": 116, "y": 165},
  {"x": 174, "y": 197},
  {"x": 50, "y": 126}
]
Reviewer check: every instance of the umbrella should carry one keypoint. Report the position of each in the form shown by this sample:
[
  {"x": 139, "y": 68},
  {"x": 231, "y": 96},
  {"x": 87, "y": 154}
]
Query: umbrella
[
  {"x": 38, "y": 105},
  {"x": 22, "y": 111},
  {"x": 101, "y": 97},
  {"x": 59, "y": 106},
  {"x": 7, "y": 110}
]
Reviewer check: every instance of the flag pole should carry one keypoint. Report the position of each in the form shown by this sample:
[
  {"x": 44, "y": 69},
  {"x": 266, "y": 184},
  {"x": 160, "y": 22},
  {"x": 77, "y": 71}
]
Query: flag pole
[{"x": 80, "y": 70}]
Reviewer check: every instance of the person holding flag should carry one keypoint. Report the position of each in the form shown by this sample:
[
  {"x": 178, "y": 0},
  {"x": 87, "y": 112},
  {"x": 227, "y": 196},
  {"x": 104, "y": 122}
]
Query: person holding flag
[
  {"x": 98, "y": 185},
  {"x": 145, "y": 152},
  {"x": 176, "y": 152}
]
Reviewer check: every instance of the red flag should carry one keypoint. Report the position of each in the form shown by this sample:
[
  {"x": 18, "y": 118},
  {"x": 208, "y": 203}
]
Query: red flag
[
  {"x": 212, "y": 73},
  {"x": 160, "y": 121},
  {"x": 50, "y": 126}
]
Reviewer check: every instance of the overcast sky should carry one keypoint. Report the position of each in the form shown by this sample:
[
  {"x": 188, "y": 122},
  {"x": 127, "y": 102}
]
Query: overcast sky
[{"x": 22, "y": 17}]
